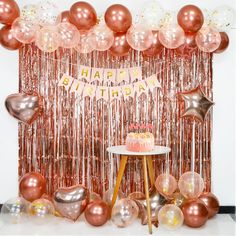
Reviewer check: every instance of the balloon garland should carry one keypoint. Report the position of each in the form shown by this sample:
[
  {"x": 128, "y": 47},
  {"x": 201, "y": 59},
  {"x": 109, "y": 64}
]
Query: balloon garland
[
  {"x": 117, "y": 32},
  {"x": 80, "y": 28}
]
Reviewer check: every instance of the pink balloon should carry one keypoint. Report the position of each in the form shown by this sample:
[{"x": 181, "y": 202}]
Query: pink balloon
[
  {"x": 208, "y": 39},
  {"x": 172, "y": 36},
  {"x": 47, "y": 39},
  {"x": 139, "y": 37},
  {"x": 86, "y": 43},
  {"x": 68, "y": 34},
  {"x": 103, "y": 37},
  {"x": 166, "y": 184},
  {"x": 24, "y": 31},
  {"x": 191, "y": 185}
]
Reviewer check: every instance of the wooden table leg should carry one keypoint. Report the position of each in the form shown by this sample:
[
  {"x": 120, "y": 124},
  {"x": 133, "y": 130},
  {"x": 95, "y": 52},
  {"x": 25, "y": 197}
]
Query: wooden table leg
[
  {"x": 119, "y": 178},
  {"x": 147, "y": 193},
  {"x": 151, "y": 171}
]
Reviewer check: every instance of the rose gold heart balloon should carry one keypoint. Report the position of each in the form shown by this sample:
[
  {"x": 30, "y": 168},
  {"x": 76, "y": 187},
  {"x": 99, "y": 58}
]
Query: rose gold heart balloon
[
  {"x": 24, "y": 107},
  {"x": 71, "y": 202}
]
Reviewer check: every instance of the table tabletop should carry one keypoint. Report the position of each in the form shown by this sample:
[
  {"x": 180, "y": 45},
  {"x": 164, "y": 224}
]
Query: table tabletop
[{"x": 121, "y": 150}]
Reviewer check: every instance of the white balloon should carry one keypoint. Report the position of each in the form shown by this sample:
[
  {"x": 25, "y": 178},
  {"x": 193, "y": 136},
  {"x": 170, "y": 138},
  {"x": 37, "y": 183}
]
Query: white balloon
[
  {"x": 15, "y": 211},
  {"x": 169, "y": 18},
  {"x": 223, "y": 18},
  {"x": 48, "y": 13},
  {"x": 207, "y": 16},
  {"x": 152, "y": 14},
  {"x": 29, "y": 13}
]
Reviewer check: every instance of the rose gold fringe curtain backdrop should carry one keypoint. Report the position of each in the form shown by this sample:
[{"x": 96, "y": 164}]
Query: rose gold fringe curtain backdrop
[{"x": 67, "y": 144}]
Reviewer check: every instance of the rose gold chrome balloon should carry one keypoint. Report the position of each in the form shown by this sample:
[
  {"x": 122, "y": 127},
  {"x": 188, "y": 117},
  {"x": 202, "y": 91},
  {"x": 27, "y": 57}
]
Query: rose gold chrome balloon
[
  {"x": 7, "y": 40},
  {"x": 118, "y": 18},
  {"x": 71, "y": 202},
  {"x": 211, "y": 202},
  {"x": 9, "y": 11},
  {"x": 195, "y": 213},
  {"x": 83, "y": 15},
  {"x": 190, "y": 18},
  {"x": 32, "y": 186},
  {"x": 223, "y": 44},
  {"x": 25, "y": 108},
  {"x": 120, "y": 45},
  {"x": 97, "y": 213},
  {"x": 65, "y": 16}
]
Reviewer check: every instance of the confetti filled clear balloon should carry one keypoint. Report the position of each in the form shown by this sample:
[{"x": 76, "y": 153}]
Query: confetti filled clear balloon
[
  {"x": 29, "y": 13},
  {"x": 69, "y": 35},
  {"x": 86, "y": 43},
  {"x": 171, "y": 36},
  {"x": 223, "y": 18},
  {"x": 103, "y": 37},
  {"x": 166, "y": 184},
  {"x": 191, "y": 185},
  {"x": 207, "y": 14},
  {"x": 107, "y": 197},
  {"x": 169, "y": 17},
  {"x": 124, "y": 212},
  {"x": 48, "y": 13},
  {"x": 47, "y": 39},
  {"x": 24, "y": 31},
  {"x": 208, "y": 39},
  {"x": 170, "y": 217},
  {"x": 152, "y": 14},
  {"x": 139, "y": 37},
  {"x": 15, "y": 210},
  {"x": 41, "y": 211}
]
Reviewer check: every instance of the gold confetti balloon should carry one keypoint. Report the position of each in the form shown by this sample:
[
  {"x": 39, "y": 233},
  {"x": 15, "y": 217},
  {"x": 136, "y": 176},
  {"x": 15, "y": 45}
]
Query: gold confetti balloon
[{"x": 170, "y": 217}]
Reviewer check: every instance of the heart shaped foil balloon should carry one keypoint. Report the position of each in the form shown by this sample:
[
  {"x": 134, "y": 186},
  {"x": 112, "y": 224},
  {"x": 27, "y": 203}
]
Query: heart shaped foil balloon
[
  {"x": 70, "y": 202},
  {"x": 24, "y": 107}
]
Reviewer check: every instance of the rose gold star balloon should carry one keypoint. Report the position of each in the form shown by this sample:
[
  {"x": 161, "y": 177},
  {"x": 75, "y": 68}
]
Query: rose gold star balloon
[
  {"x": 196, "y": 104},
  {"x": 156, "y": 202}
]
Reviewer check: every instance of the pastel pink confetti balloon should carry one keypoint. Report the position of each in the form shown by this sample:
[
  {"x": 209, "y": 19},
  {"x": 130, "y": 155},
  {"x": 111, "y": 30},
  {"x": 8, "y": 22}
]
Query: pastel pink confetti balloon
[
  {"x": 191, "y": 185},
  {"x": 68, "y": 34},
  {"x": 24, "y": 31},
  {"x": 86, "y": 43},
  {"x": 171, "y": 36},
  {"x": 139, "y": 37},
  {"x": 47, "y": 39},
  {"x": 166, "y": 184},
  {"x": 103, "y": 37},
  {"x": 208, "y": 39}
]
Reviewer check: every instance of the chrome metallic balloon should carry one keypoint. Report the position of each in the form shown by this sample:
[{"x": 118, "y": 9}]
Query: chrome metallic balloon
[
  {"x": 196, "y": 104},
  {"x": 124, "y": 212},
  {"x": 70, "y": 202},
  {"x": 156, "y": 202},
  {"x": 24, "y": 107},
  {"x": 15, "y": 210}
]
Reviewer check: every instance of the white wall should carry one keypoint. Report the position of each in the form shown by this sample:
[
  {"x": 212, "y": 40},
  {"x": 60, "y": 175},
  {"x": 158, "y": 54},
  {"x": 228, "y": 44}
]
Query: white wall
[{"x": 223, "y": 155}]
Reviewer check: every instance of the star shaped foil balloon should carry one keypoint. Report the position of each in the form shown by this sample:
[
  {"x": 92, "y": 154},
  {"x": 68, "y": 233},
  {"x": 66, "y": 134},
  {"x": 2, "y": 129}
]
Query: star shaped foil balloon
[
  {"x": 156, "y": 202},
  {"x": 197, "y": 105}
]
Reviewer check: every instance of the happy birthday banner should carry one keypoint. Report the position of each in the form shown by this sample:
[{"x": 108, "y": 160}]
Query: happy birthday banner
[
  {"x": 91, "y": 74},
  {"x": 105, "y": 92}
]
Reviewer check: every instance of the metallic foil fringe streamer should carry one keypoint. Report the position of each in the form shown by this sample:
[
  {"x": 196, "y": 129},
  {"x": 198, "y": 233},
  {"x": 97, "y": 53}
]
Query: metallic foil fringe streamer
[{"x": 67, "y": 144}]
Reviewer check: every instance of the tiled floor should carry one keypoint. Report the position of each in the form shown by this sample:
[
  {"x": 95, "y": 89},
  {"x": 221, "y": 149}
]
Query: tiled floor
[{"x": 222, "y": 225}]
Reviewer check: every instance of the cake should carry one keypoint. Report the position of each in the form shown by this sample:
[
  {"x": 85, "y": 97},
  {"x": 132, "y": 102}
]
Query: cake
[{"x": 139, "y": 142}]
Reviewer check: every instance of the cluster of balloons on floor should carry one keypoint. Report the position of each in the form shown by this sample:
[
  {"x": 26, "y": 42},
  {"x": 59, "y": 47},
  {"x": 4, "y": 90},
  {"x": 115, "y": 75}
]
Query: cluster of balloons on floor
[
  {"x": 171, "y": 203},
  {"x": 117, "y": 31}
]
